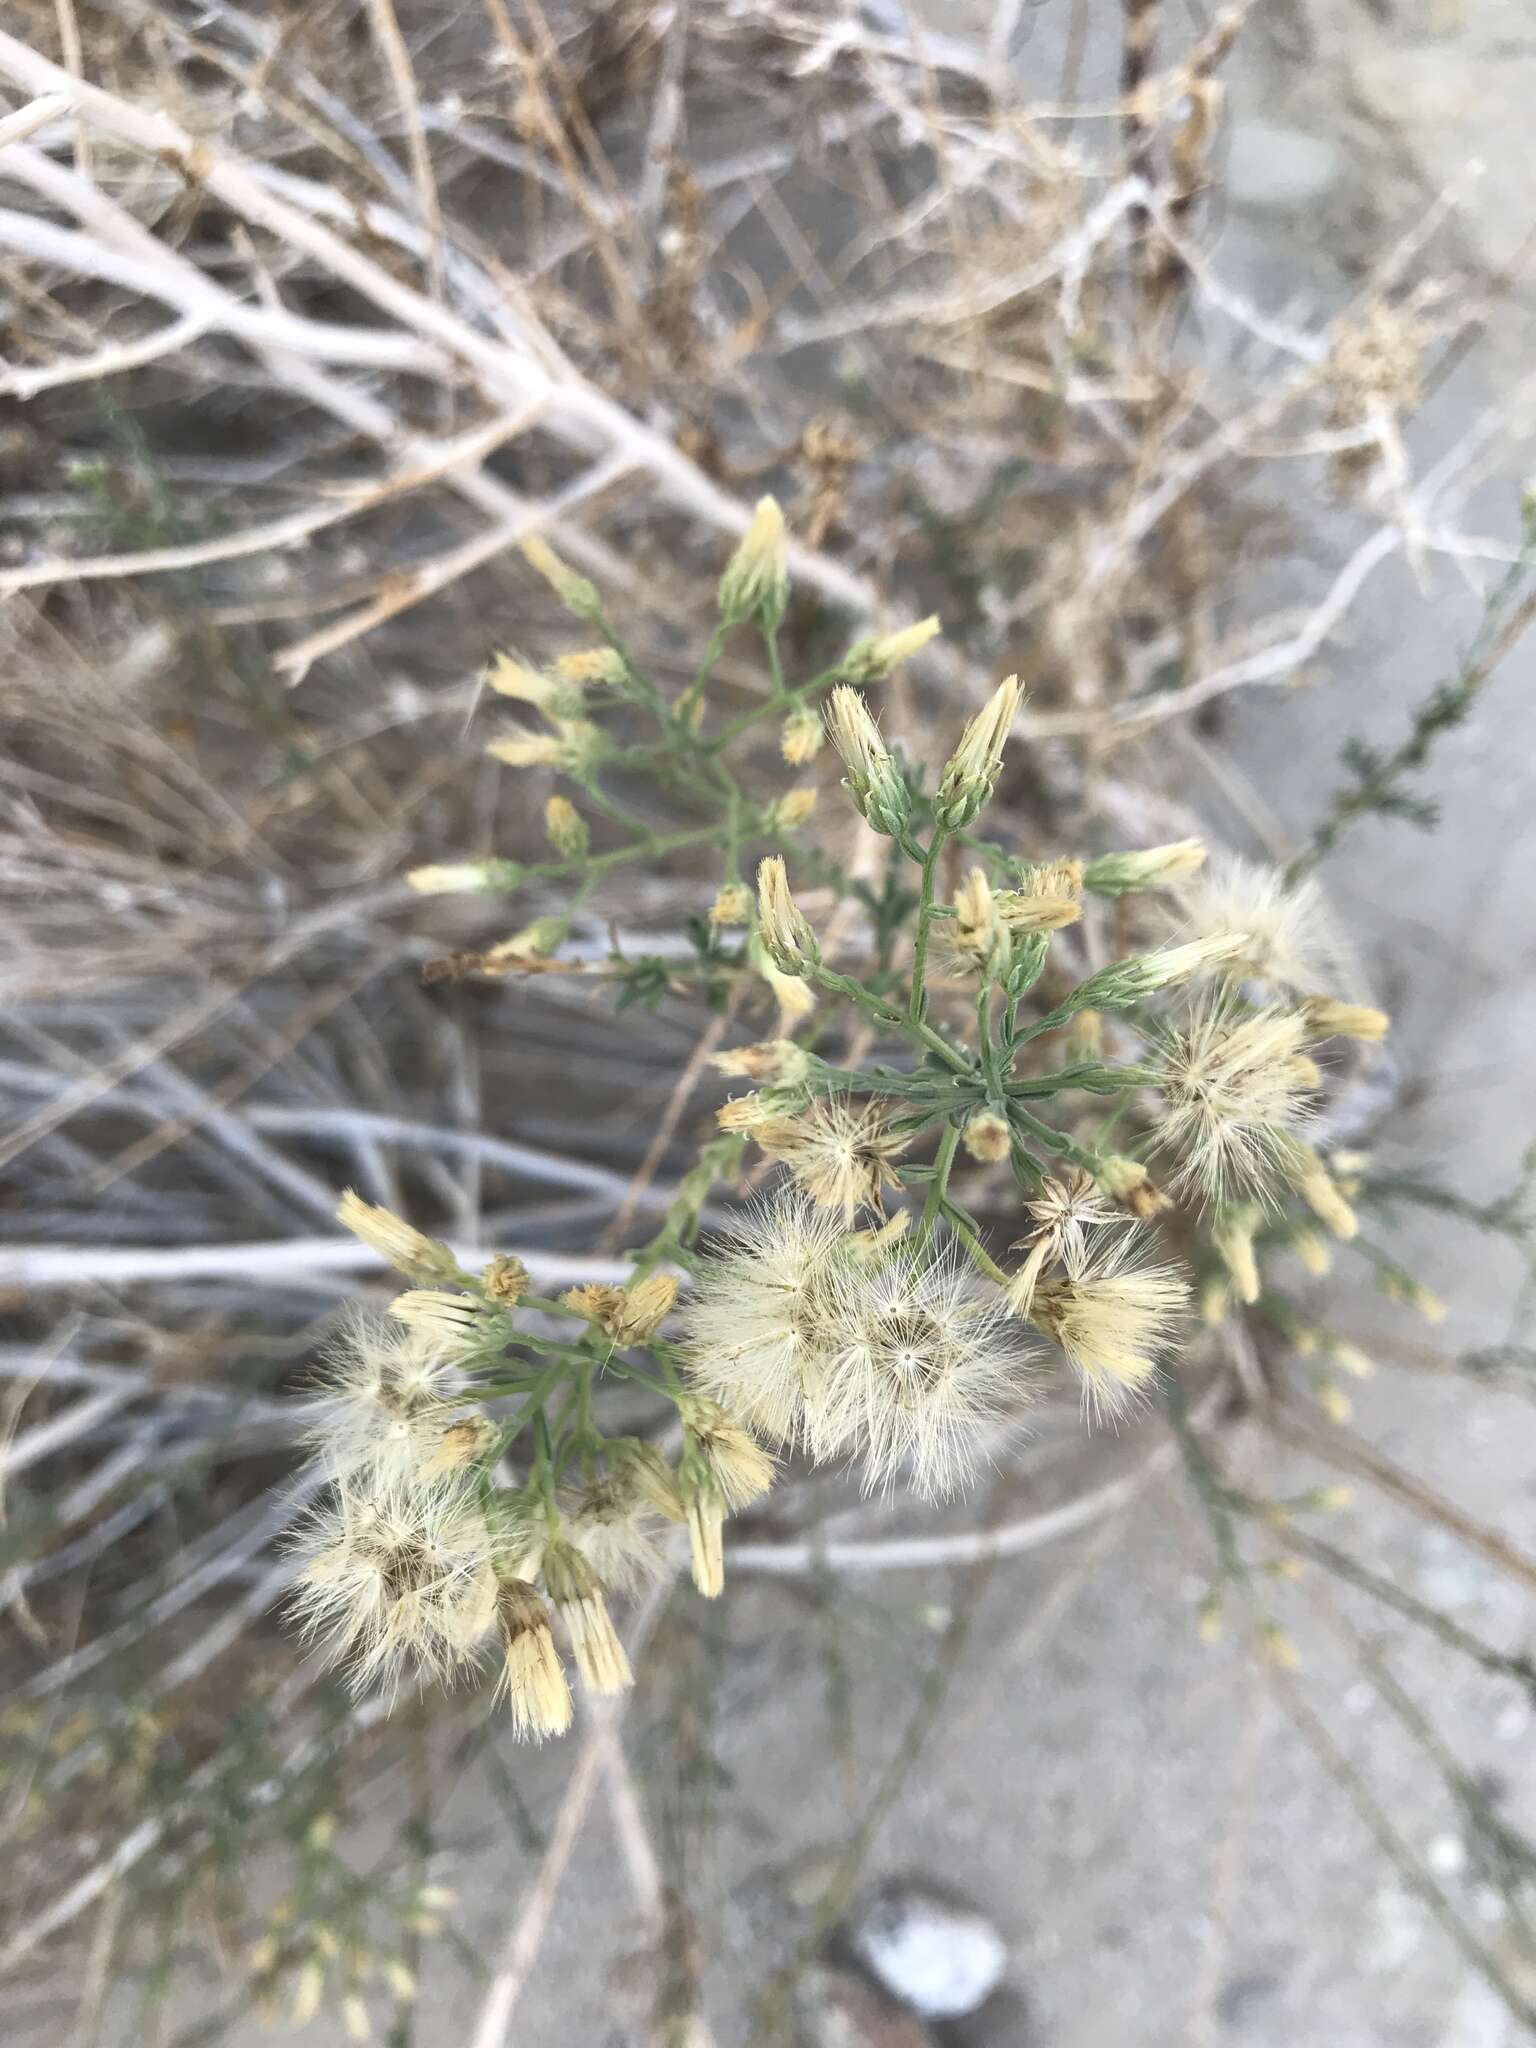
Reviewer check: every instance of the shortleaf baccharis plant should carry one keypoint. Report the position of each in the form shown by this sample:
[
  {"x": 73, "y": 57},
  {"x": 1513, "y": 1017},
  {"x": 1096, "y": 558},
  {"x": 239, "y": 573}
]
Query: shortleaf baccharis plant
[{"x": 1148, "y": 1116}]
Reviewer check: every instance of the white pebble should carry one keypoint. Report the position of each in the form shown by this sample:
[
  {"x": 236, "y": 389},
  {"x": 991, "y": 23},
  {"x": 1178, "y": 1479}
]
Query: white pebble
[{"x": 939, "y": 1959}]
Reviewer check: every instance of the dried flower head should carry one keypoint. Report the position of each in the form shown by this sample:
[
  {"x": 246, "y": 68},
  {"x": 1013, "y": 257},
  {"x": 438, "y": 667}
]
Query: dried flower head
[
  {"x": 920, "y": 1362},
  {"x": 1112, "y": 1316},
  {"x": 881, "y": 1350},
  {"x": 790, "y": 811},
  {"x": 753, "y": 1319},
  {"x": 473, "y": 877},
  {"x": 965, "y": 786},
  {"x": 565, "y": 828},
  {"x": 1399, "y": 1286},
  {"x": 385, "y": 1396},
  {"x": 1132, "y": 980},
  {"x": 454, "y": 1322},
  {"x": 842, "y": 1157},
  {"x": 593, "y": 665},
  {"x": 506, "y": 1280},
  {"x": 1232, "y": 1234},
  {"x": 1038, "y": 910},
  {"x": 573, "y": 747},
  {"x": 778, "y": 1061},
  {"x": 738, "y": 1467},
  {"x": 397, "y": 1242},
  {"x": 986, "y": 1137},
  {"x": 613, "y": 1521},
  {"x": 746, "y": 1112},
  {"x": 1235, "y": 1096},
  {"x": 576, "y": 593},
  {"x": 629, "y": 1314},
  {"x": 1280, "y": 925},
  {"x": 801, "y": 735},
  {"x": 978, "y": 933},
  {"x": 1327, "y": 1018},
  {"x": 1063, "y": 1213},
  {"x": 395, "y": 1579},
  {"x": 794, "y": 998},
  {"x": 534, "y": 943},
  {"x": 1314, "y": 1252},
  {"x": 1127, "y": 1182},
  {"x": 706, "y": 1541},
  {"x": 732, "y": 904},
  {"x": 1316, "y": 1186},
  {"x": 787, "y": 938},
  {"x": 532, "y": 1681},
  {"x": 469, "y": 1441},
  {"x": 577, "y": 1598},
  {"x": 509, "y": 677}
]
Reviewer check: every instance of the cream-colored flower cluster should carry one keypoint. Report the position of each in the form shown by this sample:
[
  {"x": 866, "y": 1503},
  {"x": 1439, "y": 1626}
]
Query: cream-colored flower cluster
[
  {"x": 416, "y": 1563},
  {"x": 1140, "y": 1082},
  {"x": 852, "y": 1344}
]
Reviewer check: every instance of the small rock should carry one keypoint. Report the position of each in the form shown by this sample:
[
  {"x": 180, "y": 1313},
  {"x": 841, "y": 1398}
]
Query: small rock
[
  {"x": 938, "y": 1957},
  {"x": 839, "y": 2010}
]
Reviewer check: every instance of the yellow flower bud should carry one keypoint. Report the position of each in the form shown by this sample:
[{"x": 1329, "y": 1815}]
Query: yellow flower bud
[
  {"x": 967, "y": 781},
  {"x": 756, "y": 579}
]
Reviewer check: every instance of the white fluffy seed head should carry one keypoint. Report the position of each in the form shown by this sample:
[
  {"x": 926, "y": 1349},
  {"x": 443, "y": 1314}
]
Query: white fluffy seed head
[
  {"x": 897, "y": 1359},
  {"x": 920, "y": 1362},
  {"x": 395, "y": 1580},
  {"x": 616, "y": 1529},
  {"x": 1286, "y": 940},
  {"x": 1112, "y": 1314},
  {"x": 750, "y": 1321},
  {"x": 839, "y": 1155},
  {"x": 1236, "y": 1085},
  {"x": 384, "y": 1402}
]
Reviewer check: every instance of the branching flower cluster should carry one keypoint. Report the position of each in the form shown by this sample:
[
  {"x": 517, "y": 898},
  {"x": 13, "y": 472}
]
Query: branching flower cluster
[{"x": 1150, "y": 1117}]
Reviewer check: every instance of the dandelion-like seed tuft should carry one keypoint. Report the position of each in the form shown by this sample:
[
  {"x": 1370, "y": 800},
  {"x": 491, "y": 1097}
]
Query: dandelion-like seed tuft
[{"x": 1113, "y": 1315}]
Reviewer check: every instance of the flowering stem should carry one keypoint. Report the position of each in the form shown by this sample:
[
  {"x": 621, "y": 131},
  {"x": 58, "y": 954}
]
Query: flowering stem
[
  {"x": 682, "y": 710},
  {"x": 781, "y": 700},
  {"x": 775, "y": 666},
  {"x": 976, "y": 1251},
  {"x": 598, "y": 863},
  {"x": 1052, "y": 1140},
  {"x": 986, "y": 1045},
  {"x": 919, "y": 1001},
  {"x": 884, "y": 1013},
  {"x": 943, "y": 1160}
]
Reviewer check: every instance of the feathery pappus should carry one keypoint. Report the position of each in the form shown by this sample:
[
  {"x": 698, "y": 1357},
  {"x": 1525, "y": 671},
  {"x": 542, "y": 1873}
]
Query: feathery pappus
[
  {"x": 898, "y": 1356},
  {"x": 1236, "y": 1085},
  {"x": 1113, "y": 1312}
]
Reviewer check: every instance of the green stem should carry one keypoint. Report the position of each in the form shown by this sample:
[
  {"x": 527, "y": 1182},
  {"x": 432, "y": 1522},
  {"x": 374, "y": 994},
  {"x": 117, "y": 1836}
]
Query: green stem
[
  {"x": 598, "y": 863},
  {"x": 885, "y": 1013},
  {"x": 943, "y": 1160},
  {"x": 976, "y": 1251},
  {"x": 782, "y": 700},
  {"x": 682, "y": 711},
  {"x": 917, "y": 1006},
  {"x": 1052, "y": 1141}
]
